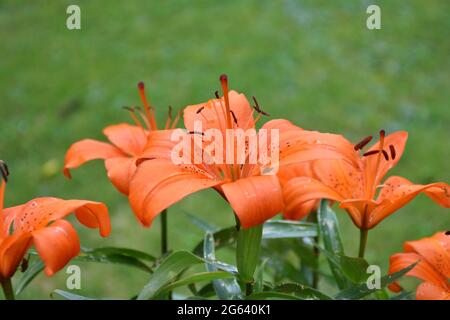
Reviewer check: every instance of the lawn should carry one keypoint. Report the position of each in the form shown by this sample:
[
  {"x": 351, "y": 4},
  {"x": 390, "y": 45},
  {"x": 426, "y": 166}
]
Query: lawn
[{"x": 312, "y": 62}]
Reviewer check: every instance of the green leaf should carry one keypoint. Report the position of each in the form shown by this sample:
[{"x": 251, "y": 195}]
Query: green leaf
[
  {"x": 122, "y": 251},
  {"x": 169, "y": 269},
  {"x": 359, "y": 291},
  {"x": 279, "y": 229},
  {"x": 29, "y": 275},
  {"x": 227, "y": 289},
  {"x": 222, "y": 238},
  {"x": 329, "y": 231},
  {"x": 405, "y": 295},
  {"x": 247, "y": 252},
  {"x": 271, "y": 295},
  {"x": 275, "y": 229},
  {"x": 355, "y": 269},
  {"x": 194, "y": 278},
  {"x": 69, "y": 295},
  {"x": 202, "y": 224},
  {"x": 301, "y": 291},
  {"x": 259, "y": 278},
  {"x": 112, "y": 255}
]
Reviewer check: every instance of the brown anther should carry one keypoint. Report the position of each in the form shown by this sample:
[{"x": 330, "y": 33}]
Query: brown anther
[
  {"x": 382, "y": 133},
  {"x": 385, "y": 154},
  {"x": 196, "y": 132},
  {"x": 200, "y": 110},
  {"x": 4, "y": 170},
  {"x": 447, "y": 233},
  {"x": 234, "y": 117},
  {"x": 216, "y": 93},
  {"x": 131, "y": 109},
  {"x": 258, "y": 109},
  {"x": 170, "y": 112},
  {"x": 370, "y": 153},
  {"x": 392, "y": 150},
  {"x": 362, "y": 143}
]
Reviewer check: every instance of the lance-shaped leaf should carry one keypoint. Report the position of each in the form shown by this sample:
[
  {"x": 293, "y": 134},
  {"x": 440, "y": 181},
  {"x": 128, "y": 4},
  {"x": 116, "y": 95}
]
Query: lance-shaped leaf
[
  {"x": 29, "y": 275},
  {"x": 329, "y": 231},
  {"x": 361, "y": 290},
  {"x": 69, "y": 295},
  {"x": 301, "y": 291},
  {"x": 280, "y": 229},
  {"x": 226, "y": 289}
]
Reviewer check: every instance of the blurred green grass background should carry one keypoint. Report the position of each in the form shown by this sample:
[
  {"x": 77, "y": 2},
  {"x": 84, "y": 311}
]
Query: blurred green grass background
[{"x": 312, "y": 62}]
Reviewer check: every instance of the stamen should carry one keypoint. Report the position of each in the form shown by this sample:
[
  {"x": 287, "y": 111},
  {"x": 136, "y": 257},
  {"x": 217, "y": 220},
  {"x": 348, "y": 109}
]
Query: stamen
[
  {"x": 258, "y": 109},
  {"x": 370, "y": 153},
  {"x": 200, "y": 109},
  {"x": 132, "y": 113},
  {"x": 4, "y": 170},
  {"x": 234, "y": 117},
  {"x": 169, "y": 118},
  {"x": 392, "y": 149},
  {"x": 447, "y": 233},
  {"x": 363, "y": 143},
  {"x": 197, "y": 132},
  {"x": 216, "y": 93},
  {"x": 224, "y": 82},
  {"x": 385, "y": 154},
  {"x": 147, "y": 107}
]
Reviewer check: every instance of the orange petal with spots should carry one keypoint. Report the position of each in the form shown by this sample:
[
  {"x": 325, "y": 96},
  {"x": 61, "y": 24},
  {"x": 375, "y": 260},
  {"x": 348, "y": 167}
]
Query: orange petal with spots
[{"x": 159, "y": 183}]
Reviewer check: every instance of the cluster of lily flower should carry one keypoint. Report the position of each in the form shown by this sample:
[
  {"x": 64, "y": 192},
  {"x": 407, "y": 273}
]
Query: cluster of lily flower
[{"x": 312, "y": 166}]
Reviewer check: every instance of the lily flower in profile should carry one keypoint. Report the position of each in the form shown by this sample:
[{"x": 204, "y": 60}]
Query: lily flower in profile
[
  {"x": 127, "y": 142},
  {"x": 40, "y": 222},
  {"x": 433, "y": 268},
  {"x": 359, "y": 189},
  {"x": 253, "y": 195}
]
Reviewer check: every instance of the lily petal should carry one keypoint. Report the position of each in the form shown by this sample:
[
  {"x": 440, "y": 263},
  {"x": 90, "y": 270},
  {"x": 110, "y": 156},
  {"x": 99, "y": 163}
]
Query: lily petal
[
  {"x": 398, "y": 141},
  {"x": 423, "y": 270},
  {"x": 12, "y": 251},
  {"x": 86, "y": 150},
  {"x": 435, "y": 250},
  {"x": 128, "y": 138},
  {"x": 254, "y": 199},
  {"x": 212, "y": 113},
  {"x": 39, "y": 212},
  {"x": 120, "y": 171},
  {"x": 430, "y": 291},
  {"x": 56, "y": 244},
  {"x": 398, "y": 191},
  {"x": 159, "y": 183},
  {"x": 160, "y": 144},
  {"x": 300, "y": 191}
]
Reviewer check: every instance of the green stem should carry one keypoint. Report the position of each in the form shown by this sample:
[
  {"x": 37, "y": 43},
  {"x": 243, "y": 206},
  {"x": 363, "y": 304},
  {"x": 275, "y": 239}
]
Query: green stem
[
  {"x": 7, "y": 288},
  {"x": 247, "y": 253},
  {"x": 362, "y": 241},
  {"x": 164, "y": 242}
]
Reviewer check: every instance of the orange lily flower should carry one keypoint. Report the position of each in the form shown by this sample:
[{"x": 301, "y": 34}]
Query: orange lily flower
[
  {"x": 40, "y": 222},
  {"x": 286, "y": 174},
  {"x": 433, "y": 268},
  {"x": 127, "y": 144},
  {"x": 254, "y": 197},
  {"x": 356, "y": 187}
]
